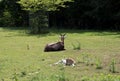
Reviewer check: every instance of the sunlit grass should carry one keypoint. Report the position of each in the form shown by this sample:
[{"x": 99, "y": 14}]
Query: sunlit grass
[{"x": 15, "y": 57}]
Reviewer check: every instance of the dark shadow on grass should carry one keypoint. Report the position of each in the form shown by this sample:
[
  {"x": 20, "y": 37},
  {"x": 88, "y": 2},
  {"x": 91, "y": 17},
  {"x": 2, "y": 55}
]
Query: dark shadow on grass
[
  {"x": 55, "y": 50},
  {"x": 104, "y": 33},
  {"x": 23, "y": 31},
  {"x": 93, "y": 32},
  {"x": 53, "y": 31},
  {"x": 14, "y": 28}
]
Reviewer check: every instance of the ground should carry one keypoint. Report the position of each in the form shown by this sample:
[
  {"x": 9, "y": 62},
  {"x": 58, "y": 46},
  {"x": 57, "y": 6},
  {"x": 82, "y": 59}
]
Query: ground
[{"x": 22, "y": 55}]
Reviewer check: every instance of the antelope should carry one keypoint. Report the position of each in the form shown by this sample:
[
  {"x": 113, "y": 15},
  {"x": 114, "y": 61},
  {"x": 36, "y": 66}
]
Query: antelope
[
  {"x": 56, "y": 46},
  {"x": 67, "y": 62}
]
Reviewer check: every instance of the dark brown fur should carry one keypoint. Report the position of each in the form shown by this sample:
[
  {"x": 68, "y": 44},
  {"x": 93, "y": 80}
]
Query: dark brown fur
[
  {"x": 69, "y": 61},
  {"x": 55, "y": 46}
]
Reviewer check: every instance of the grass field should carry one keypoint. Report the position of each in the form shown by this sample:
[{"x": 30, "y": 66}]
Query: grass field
[{"x": 22, "y": 57}]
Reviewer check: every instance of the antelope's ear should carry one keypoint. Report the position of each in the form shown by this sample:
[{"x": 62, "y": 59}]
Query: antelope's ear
[
  {"x": 62, "y": 34},
  {"x": 65, "y": 36}
]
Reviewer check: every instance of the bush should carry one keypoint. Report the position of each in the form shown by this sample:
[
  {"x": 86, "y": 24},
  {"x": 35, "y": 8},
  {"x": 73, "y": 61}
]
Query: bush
[
  {"x": 76, "y": 46},
  {"x": 38, "y": 22},
  {"x": 112, "y": 66},
  {"x": 6, "y": 19}
]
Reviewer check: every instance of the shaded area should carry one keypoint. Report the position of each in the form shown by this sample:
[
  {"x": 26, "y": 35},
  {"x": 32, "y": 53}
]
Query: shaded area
[
  {"x": 80, "y": 14},
  {"x": 25, "y": 32}
]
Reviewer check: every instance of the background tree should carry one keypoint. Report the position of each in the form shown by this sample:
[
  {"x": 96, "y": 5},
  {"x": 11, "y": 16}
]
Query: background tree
[
  {"x": 89, "y": 14},
  {"x": 80, "y": 14},
  {"x": 38, "y": 12},
  {"x": 11, "y": 14}
]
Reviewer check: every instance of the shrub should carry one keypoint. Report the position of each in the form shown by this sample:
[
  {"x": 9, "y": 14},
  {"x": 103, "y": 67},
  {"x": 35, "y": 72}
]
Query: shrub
[
  {"x": 98, "y": 64},
  {"x": 76, "y": 47},
  {"x": 6, "y": 19},
  {"x": 112, "y": 66}
]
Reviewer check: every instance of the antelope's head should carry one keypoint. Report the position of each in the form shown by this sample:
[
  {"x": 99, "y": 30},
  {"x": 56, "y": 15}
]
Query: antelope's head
[{"x": 62, "y": 37}]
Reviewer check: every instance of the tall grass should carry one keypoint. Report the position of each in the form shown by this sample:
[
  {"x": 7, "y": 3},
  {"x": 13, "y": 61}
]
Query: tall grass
[
  {"x": 98, "y": 64},
  {"x": 112, "y": 67},
  {"x": 101, "y": 77},
  {"x": 76, "y": 46}
]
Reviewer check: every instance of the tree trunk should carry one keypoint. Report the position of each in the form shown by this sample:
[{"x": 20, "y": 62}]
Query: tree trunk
[{"x": 38, "y": 22}]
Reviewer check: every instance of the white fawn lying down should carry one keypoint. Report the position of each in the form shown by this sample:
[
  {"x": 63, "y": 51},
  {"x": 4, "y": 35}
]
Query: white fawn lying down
[{"x": 67, "y": 62}]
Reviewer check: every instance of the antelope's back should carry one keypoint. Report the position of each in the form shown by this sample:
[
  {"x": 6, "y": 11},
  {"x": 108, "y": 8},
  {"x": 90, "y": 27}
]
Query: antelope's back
[{"x": 54, "y": 47}]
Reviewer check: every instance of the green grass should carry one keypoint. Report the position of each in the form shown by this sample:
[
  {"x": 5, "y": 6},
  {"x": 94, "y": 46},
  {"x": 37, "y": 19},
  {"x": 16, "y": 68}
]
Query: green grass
[{"x": 17, "y": 61}]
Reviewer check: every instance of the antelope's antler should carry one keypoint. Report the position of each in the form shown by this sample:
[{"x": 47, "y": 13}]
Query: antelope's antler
[{"x": 62, "y": 34}]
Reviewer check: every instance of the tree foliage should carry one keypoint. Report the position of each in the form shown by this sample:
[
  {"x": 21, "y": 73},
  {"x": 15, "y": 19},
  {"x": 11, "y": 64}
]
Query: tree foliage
[
  {"x": 81, "y": 14},
  {"x": 37, "y": 12},
  {"x": 48, "y": 5},
  {"x": 11, "y": 14},
  {"x": 89, "y": 14}
]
